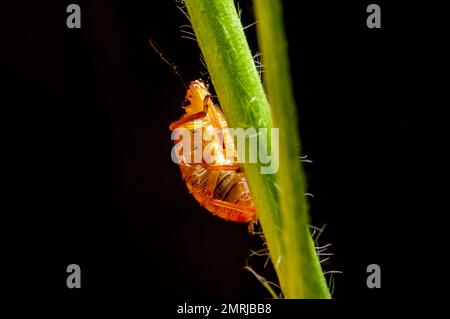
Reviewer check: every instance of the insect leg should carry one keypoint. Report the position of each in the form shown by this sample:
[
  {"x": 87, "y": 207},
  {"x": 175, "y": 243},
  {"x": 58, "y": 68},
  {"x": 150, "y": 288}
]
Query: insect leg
[
  {"x": 186, "y": 119},
  {"x": 210, "y": 187},
  {"x": 248, "y": 210},
  {"x": 189, "y": 118},
  {"x": 207, "y": 101},
  {"x": 212, "y": 183},
  {"x": 227, "y": 167}
]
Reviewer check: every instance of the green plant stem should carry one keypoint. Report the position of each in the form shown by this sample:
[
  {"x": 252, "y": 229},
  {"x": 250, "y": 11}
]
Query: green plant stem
[
  {"x": 222, "y": 41},
  {"x": 230, "y": 64},
  {"x": 304, "y": 269}
]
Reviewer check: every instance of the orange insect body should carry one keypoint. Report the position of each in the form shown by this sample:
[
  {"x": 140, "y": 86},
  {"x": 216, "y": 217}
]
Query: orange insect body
[{"x": 219, "y": 186}]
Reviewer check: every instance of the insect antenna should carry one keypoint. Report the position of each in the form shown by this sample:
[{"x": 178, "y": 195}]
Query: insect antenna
[{"x": 168, "y": 61}]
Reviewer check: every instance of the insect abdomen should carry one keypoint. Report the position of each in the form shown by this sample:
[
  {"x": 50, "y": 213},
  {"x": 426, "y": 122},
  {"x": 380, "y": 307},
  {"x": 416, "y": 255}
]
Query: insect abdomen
[{"x": 231, "y": 187}]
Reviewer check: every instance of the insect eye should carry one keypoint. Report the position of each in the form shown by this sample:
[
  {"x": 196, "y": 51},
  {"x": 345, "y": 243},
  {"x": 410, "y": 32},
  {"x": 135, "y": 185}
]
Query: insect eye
[{"x": 186, "y": 103}]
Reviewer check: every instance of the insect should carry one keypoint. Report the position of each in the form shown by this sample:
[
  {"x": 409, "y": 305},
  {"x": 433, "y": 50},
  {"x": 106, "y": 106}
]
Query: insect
[{"x": 221, "y": 186}]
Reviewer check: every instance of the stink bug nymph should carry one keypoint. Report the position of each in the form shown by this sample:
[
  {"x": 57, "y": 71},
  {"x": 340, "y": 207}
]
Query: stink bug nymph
[{"x": 220, "y": 187}]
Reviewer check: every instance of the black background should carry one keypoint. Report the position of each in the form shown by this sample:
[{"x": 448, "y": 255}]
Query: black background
[{"x": 92, "y": 108}]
